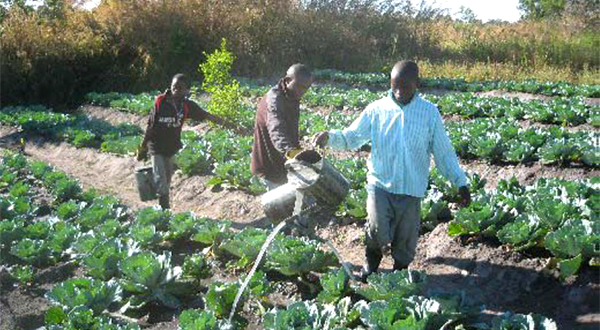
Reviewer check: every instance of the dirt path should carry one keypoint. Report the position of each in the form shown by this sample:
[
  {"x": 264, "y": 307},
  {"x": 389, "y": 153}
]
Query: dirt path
[
  {"x": 113, "y": 116},
  {"x": 117, "y": 117},
  {"x": 115, "y": 175}
]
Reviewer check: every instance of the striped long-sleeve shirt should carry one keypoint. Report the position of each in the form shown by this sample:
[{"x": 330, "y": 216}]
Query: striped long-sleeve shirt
[{"x": 402, "y": 141}]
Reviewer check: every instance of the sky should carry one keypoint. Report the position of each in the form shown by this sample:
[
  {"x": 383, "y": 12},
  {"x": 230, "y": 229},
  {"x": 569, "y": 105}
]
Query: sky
[{"x": 485, "y": 10}]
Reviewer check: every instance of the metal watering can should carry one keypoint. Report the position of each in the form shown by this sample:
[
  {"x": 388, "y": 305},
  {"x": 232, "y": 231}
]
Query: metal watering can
[{"x": 314, "y": 176}]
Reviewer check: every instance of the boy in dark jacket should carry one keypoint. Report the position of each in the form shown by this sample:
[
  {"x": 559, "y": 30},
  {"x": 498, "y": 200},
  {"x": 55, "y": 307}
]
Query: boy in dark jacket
[
  {"x": 276, "y": 126},
  {"x": 163, "y": 134}
]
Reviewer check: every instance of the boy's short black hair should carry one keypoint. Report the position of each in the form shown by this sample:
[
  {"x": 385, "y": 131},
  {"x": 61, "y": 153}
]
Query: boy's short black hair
[
  {"x": 183, "y": 78},
  {"x": 299, "y": 70},
  {"x": 404, "y": 70}
]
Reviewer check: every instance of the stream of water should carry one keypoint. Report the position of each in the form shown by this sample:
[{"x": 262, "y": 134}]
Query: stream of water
[
  {"x": 296, "y": 214},
  {"x": 263, "y": 249}
]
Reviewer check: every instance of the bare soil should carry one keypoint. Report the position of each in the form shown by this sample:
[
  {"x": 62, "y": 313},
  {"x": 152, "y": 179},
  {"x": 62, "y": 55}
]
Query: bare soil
[
  {"x": 504, "y": 280},
  {"x": 113, "y": 116},
  {"x": 24, "y": 307},
  {"x": 117, "y": 117}
]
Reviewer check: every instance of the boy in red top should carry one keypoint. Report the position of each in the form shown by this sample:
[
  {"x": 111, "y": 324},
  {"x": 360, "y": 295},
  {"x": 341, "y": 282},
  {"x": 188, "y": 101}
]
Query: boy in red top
[{"x": 163, "y": 134}]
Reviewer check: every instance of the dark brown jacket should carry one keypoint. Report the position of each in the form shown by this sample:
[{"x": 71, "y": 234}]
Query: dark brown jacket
[{"x": 275, "y": 133}]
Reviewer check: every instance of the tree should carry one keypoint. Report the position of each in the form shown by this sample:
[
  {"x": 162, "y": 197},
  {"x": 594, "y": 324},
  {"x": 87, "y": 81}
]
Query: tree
[
  {"x": 466, "y": 15},
  {"x": 589, "y": 10},
  {"x": 6, "y": 5},
  {"x": 54, "y": 9},
  {"x": 537, "y": 9}
]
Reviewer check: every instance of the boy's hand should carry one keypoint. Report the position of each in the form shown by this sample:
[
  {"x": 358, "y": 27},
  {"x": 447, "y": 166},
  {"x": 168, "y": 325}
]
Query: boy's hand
[
  {"x": 142, "y": 153},
  {"x": 292, "y": 153},
  {"x": 309, "y": 156},
  {"x": 320, "y": 139}
]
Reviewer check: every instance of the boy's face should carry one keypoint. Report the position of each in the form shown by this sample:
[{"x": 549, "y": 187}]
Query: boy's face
[
  {"x": 179, "y": 89},
  {"x": 299, "y": 86},
  {"x": 405, "y": 90}
]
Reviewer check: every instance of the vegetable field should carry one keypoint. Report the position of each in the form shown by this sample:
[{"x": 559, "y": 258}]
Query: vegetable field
[{"x": 79, "y": 251}]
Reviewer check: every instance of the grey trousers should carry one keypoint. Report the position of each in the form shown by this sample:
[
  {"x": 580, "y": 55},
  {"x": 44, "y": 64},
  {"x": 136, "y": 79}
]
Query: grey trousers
[
  {"x": 394, "y": 219},
  {"x": 162, "y": 168}
]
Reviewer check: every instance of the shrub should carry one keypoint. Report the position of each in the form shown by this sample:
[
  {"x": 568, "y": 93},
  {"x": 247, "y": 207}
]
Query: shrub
[{"x": 226, "y": 95}]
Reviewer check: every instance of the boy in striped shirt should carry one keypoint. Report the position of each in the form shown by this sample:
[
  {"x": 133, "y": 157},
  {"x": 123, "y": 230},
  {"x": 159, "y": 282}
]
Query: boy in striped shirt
[{"x": 404, "y": 131}]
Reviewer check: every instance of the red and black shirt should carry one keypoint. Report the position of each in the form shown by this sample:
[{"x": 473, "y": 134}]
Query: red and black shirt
[{"x": 165, "y": 122}]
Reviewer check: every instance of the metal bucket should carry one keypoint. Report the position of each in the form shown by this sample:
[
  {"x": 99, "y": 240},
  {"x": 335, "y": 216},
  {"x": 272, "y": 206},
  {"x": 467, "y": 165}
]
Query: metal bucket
[
  {"x": 278, "y": 203},
  {"x": 145, "y": 183},
  {"x": 320, "y": 180}
]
